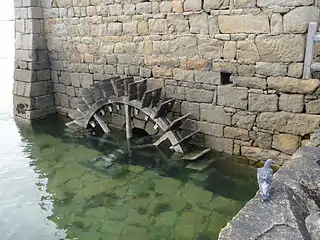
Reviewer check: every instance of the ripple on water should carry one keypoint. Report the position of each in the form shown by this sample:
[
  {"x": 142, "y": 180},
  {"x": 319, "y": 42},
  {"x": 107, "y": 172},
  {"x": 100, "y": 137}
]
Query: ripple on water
[{"x": 138, "y": 203}]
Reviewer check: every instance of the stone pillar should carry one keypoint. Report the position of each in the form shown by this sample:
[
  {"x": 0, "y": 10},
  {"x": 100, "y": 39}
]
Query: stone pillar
[{"x": 33, "y": 89}]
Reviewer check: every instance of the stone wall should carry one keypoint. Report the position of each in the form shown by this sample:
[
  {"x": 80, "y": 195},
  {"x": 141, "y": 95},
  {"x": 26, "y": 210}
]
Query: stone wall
[
  {"x": 33, "y": 88},
  {"x": 189, "y": 47}
]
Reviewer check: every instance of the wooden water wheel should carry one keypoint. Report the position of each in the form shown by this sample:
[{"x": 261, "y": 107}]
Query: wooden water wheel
[{"x": 139, "y": 107}]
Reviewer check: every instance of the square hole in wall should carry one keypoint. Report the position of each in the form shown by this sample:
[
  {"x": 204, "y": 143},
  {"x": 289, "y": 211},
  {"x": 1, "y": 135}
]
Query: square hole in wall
[{"x": 225, "y": 78}]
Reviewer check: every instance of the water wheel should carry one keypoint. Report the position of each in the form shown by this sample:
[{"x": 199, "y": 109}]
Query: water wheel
[{"x": 138, "y": 108}]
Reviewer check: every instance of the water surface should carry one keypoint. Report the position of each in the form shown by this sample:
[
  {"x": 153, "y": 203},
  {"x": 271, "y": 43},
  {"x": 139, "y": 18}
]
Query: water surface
[{"x": 57, "y": 185}]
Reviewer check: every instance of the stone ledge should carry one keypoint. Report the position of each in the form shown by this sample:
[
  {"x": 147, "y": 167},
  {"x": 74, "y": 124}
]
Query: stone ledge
[{"x": 293, "y": 211}]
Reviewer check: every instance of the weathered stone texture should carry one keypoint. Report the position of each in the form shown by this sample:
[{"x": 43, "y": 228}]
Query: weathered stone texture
[
  {"x": 297, "y": 20},
  {"x": 244, "y": 23},
  {"x": 235, "y": 97},
  {"x": 292, "y": 186},
  {"x": 292, "y": 85},
  {"x": 291, "y": 103},
  {"x": 250, "y": 82},
  {"x": 297, "y": 124},
  {"x": 199, "y": 95},
  {"x": 283, "y": 3},
  {"x": 193, "y": 108},
  {"x": 192, "y": 5},
  {"x": 281, "y": 48},
  {"x": 271, "y": 69},
  {"x": 313, "y": 107},
  {"x": 263, "y": 103},
  {"x": 211, "y": 128},
  {"x": 219, "y": 144},
  {"x": 243, "y": 119},
  {"x": 214, "y": 114},
  {"x": 286, "y": 143},
  {"x": 236, "y": 133}
]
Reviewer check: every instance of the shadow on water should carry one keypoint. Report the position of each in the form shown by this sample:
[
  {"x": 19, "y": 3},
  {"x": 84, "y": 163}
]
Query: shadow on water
[{"x": 99, "y": 191}]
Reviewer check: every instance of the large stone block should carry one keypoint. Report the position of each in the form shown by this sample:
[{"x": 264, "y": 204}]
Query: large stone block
[
  {"x": 199, "y": 64},
  {"x": 215, "y": 4},
  {"x": 177, "y": 6},
  {"x": 211, "y": 129},
  {"x": 249, "y": 82},
  {"x": 261, "y": 139},
  {"x": 286, "y": 143},
  {"x": 236, "y": 97},
  {"x": 236, "y": 133},
  {"x": 199, "y": 23},
  {"x": 59, "y": 88},
  {"x": 245, "y": 3},
  {"x": 86, "y": 80},
  {"x": 115, "y": 9},
  {"x": 25, "y": 75},
  {"x": 192, "y": 5},
  {"x": 210, "y": 48},
  {"x": 114, "y": 29},
  {"x": 175, "y": 92},
  {"x": 184, "y": 46},
  {"x": 143, "y": 28},
  {"x": 291, "y": 103},
  {"x": 219, "y": 144},
  {"x": 183, "y": 75},
  {"x": 243, "y": 119},
  {"x": 313, "y": 107},
  {"x": 271, "y": 69},
  {"x": 283, "y": 3},
  {"x": 130, "y": 28},
  {"x": 297, "y": 20},
  {"x": 199, "y": 95},
  {"x": 37, "y": 89},
  {"x": 193, "y": 108},
  {"x": 296, "y": 124},
  {"x": 161, "y": 72},
  {"x": 244, "y": 23},
  {"x": 263, "y": 102},
  {"x": 276, "y": 24},
  {"x": 247, "y": 50},
  {"x": 44, "y": 101},
  {"x": 179, "y": 23},
  {"x": 293, "y": 85},
  {"x": 295, "y": 70},
  {"x": 281, "y": 48},
  {"x": 61, "y": 100},
  {"x": 214, "y": 114},
  {"x": 229, "y": 50},
  {"x": 158, "y": 26},
  {"x": 258, "y": 154},
  {"x": 143, "y": 7}
]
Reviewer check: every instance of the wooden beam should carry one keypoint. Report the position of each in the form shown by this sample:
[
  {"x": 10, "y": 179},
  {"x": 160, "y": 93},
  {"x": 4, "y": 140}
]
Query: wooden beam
[
  {"x": 102, "y": 124},
  {"x": 312, "y": 30},
  {"x": 127, "y": 110}
]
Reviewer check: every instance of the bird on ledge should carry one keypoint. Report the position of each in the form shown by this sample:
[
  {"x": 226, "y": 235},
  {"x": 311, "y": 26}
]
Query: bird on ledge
[{"x": 264, "y": 177}]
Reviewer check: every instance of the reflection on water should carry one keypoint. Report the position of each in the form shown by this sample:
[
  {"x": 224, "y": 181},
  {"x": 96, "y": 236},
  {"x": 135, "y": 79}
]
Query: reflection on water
[{"x": 88, "y": 189}]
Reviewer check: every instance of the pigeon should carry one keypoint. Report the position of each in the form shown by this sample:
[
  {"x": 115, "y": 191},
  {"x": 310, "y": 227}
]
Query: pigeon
[{"x": 264, "y": 177}]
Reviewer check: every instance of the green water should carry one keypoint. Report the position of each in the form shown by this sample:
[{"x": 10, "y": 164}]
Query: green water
[{"x": 145, "y": 196}]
